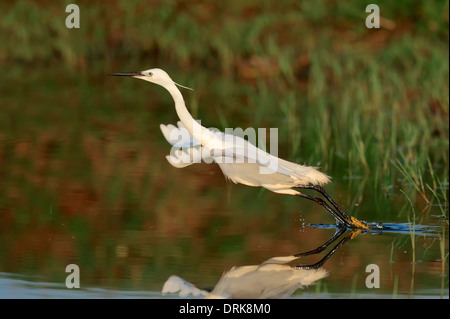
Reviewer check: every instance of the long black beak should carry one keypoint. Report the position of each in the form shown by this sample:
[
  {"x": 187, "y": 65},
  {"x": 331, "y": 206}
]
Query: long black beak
[{"x": 126, "y": 74}]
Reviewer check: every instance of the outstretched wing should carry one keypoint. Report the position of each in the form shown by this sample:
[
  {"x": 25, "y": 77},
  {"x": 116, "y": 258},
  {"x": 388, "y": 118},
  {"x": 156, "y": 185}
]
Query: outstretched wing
[
  {"x": 186, "y": 156},
  {"x": 187, "y": 149},
  {"x": 178, "y": 136}
]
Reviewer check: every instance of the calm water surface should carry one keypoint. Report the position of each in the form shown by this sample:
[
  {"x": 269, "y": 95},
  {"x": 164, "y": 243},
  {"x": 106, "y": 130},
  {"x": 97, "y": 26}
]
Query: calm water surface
[{"x": 84, "y": 181}]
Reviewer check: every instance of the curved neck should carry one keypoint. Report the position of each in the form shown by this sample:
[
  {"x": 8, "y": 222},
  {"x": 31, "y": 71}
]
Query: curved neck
[{"x": 199, "y": 132}]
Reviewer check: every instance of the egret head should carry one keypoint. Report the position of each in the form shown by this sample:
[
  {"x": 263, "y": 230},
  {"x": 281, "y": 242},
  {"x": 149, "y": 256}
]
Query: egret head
[{"x": 156, "y": 76}]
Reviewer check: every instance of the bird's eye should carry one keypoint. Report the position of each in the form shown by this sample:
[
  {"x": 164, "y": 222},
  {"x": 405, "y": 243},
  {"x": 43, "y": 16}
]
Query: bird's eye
[{"x": 150, "y": 74}]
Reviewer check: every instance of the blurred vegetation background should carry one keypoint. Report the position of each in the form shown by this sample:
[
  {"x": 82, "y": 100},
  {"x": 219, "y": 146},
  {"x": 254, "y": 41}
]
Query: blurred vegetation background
[
  {"x": 369, "y": 106},
  {"x": 210, "y": 34}
]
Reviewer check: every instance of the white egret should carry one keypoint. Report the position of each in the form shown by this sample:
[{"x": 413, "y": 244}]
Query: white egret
[{"x": 259, "y": 169}]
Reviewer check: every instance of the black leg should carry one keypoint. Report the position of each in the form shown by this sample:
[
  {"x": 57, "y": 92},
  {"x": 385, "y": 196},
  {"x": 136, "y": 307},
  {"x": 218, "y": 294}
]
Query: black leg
[
  {"x": 328, "y": 197},
  {"x": 321, "y": 202},
  {"x": 339, "y": 214}
]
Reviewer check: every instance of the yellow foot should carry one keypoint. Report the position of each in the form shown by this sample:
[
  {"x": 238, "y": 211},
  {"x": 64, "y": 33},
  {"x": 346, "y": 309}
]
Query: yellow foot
[{"x": 359, "y": 224}]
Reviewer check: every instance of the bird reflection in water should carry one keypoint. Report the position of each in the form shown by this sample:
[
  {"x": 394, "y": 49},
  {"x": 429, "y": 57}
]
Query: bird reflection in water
[{"x": 277, "y": 277}]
